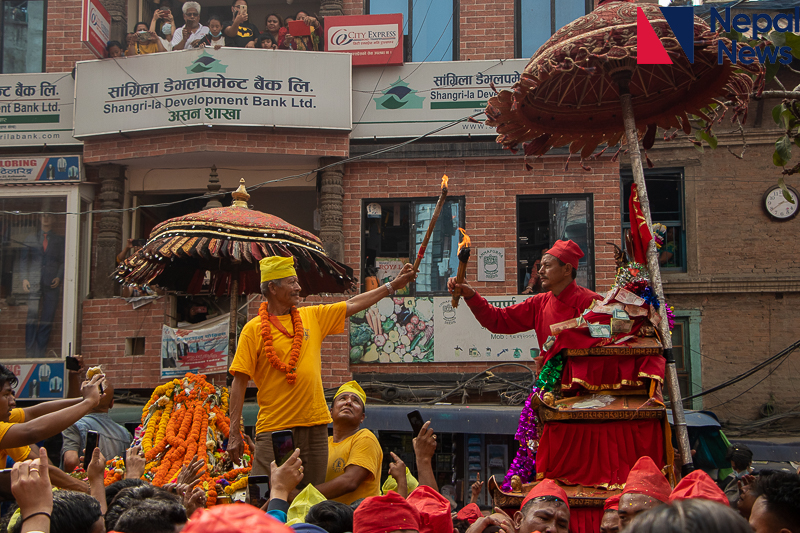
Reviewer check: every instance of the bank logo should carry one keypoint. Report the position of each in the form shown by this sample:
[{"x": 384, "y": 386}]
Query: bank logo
[
  {"x": 650, "y": 50},
  {"x": 206, "y": 63},
  {"x": 399, "y": 96}
]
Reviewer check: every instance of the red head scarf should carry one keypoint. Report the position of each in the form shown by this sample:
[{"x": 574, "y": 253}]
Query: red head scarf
[
  {"x": 381, "y": 514},
  {"x": 611, "y": 503},
  {"x": 567, "y": 251},
  {"x": 434, "y": 510},
  {"x": 645, "y": 478},
  {"x": 236, "y": 518},
  {"x": 470, "y": 513},
  {"x": 698, "y": 484},
  {"x": 546, "y": 487}
]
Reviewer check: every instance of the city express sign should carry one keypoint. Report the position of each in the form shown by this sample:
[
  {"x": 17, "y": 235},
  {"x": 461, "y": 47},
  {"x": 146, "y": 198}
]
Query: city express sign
[
  {"x": 95, "y": 27},
  {"x": 370, "y": 39}
]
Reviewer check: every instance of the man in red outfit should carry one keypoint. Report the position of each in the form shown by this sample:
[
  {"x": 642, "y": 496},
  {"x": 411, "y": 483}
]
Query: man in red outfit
[{"x": 561, "y": 300}]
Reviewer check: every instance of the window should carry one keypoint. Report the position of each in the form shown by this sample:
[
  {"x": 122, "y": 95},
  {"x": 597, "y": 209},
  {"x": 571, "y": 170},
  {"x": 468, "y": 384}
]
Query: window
[
  {"x": 393, "y": 233},
  {"x": 23, "y": 36},
  {"x": 537, "y": 20},
  {"x": 665, "y": 193},
  {"x": 685, "y": 349},
  {"x": 429, "y": 27},
  {"x": 542, "y": 220}
]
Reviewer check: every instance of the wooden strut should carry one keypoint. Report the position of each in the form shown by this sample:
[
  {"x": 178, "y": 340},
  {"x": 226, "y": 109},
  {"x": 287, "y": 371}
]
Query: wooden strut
[{"x": 632, "y": 137}]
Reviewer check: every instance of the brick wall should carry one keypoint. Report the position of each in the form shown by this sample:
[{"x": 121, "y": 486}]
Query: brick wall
[
  {"x": 64, "y": 45},
  {"x": 312, "y": 143},
  {"x": 490, "y": 188},
  {"x": 486, "y": 30}
]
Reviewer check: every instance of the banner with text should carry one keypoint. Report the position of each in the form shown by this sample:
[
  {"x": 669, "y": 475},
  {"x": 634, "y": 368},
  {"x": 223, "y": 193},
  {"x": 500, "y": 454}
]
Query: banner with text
[
  {"x": 36, "y": 109},
  {"x": 230, "y": 86},
  {"x": 201, "y": 350},
  {"x": 370, "y": 39},
  {"x": 34, "y": 168},
  {"x": 416, "y": 98}
]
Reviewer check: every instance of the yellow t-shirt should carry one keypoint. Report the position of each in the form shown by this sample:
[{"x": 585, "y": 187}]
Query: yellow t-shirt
[
  {"x": 281, "y": 405},
  {"x": 18, "y": 454},
  {"x": 146, "y": 48},
  {"x": 361, "y": 449}
]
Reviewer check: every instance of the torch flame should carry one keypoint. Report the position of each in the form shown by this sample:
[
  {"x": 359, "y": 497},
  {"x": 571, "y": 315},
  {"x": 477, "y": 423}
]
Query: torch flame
[
  {"x": 445, "y": 179},
  {"x": 465, "y": 242}
]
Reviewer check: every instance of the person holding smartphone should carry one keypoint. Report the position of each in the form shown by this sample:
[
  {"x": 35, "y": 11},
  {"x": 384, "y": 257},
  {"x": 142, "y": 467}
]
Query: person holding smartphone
[
  {"x": 240, "y": 32},
  {"x": 280, "y": 350},
  {"x": 191, "y": 31}
]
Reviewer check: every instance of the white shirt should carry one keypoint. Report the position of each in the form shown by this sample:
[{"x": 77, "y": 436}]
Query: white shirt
[{"x": 196, "y": 35}]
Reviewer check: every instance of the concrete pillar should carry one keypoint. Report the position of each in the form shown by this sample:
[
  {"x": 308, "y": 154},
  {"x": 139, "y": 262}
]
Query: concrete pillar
[
  {"x": 329, "y": 8},
  {"x": 109, "y": 237},
  {"x": 331, "y": 198},
  {"x": 118, "y": 9}
]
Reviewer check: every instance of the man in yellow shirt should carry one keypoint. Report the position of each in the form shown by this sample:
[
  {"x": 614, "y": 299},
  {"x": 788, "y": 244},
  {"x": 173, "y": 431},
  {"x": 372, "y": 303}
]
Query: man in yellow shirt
[
  {"x": 21, "y": 428},
  {"x": 280, "y": 350},
  {"x": 354, "y": 455}
]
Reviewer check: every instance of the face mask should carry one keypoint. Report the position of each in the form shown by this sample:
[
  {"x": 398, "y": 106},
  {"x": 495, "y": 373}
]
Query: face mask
[
  {"x": 167, "y": 29},
  {"x": 215, "y": 35}
]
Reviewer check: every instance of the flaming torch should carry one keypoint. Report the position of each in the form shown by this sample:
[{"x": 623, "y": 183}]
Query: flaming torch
[
  {"x": 439, "y": 205},
  {"x": 463, "y": 257}
]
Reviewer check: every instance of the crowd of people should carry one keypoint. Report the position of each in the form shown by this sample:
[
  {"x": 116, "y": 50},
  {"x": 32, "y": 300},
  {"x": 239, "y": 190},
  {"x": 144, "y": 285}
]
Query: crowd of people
[{"x": 164, "y": 35}]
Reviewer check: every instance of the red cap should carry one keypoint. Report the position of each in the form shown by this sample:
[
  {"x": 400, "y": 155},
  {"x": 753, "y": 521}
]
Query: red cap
[
  {"x": 646, "y": 478},
  {"x": 611, "y": 503},
  {"x": 381, "y": 514},
  {"x": 698, "y": 484},
  {"x": 470, "y": 513},
  {"x": 236, "y": 518},
  {"x": 567, "y": 251},
  {"x": 546, "y": 487},
  {"x": 434, "y": 510}
]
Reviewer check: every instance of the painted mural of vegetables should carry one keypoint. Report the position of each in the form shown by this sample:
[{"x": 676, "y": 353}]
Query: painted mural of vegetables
[{"x": 394, "y": 330}]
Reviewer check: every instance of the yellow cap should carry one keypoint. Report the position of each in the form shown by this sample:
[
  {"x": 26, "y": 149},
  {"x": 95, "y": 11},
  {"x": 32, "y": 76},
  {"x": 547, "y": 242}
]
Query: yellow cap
[
  {"x": 276, "y": 267},
  {"x": 355, "y": 388}
]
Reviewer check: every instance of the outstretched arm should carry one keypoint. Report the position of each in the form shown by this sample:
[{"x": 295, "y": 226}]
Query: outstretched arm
[
  {"x": 349, "y": 481},
  {"x": 45, "y": 408},
  {"x": 48, "y": 425},
  {"x": 366, "y": 299}
]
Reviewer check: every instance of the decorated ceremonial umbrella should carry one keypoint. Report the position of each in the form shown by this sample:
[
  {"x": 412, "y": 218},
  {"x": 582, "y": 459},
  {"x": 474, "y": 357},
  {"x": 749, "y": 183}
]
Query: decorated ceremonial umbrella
[
  {"x": 227, "y": 243},
  {"x": 584, "y": 87}
]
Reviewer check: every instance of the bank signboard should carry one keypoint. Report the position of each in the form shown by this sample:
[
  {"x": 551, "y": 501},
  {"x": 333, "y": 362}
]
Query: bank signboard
[
  {"x": 413, "y": 99},
  {"x": 370, "y": 39},
  {"x": 203, "y": 87},
  {"x": 36, "y": 109}
]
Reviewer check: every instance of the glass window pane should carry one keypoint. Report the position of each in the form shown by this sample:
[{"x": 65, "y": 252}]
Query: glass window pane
[
  {"x": 440, "y": 261},
  {"x": 569, "y": 10},
  {"x": 570, "y": 222},
  {"x": 23, "y": 36},
  {"x": 536, "y": 27},
  {"x": 31, "y": 278},
  {"x": 387, "y": 7},
  {"x": 432, "y": 31}
]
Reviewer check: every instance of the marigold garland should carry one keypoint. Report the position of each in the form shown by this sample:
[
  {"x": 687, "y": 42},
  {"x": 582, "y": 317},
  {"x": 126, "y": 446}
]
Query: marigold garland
[
  {"x": 186, "y": 418},
  {"x": 290, "y": 368}
]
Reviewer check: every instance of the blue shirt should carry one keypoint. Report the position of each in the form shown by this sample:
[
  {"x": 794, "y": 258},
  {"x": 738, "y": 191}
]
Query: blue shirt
[{"x": 114, "y": 438}]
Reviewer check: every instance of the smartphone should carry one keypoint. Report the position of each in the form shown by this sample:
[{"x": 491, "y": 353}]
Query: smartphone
[
  {"x": 243, "y": 9},
  {"x": 141, "y": 242},
  {"x": 415, "y": 417},
  {"x": 72, "y": 363},
  {"x": 91, "y": 443},
  {"x": 282, "y": 446},
  {"x": 258, "y": 490},
  {"x": 166, "y": 10},
  {"x": 298, "y": 28}
]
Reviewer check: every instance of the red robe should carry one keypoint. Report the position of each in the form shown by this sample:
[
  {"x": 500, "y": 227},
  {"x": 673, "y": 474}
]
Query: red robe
[{"x": 536, "y": 313}]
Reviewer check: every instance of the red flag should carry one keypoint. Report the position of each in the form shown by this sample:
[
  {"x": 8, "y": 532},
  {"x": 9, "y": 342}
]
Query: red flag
[{"x": 640, "y": 231}]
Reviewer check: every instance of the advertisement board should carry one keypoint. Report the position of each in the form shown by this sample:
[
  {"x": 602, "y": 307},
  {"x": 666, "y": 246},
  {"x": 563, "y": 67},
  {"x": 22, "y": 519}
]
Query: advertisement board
[
  {"x": 201, "y": 349},
  {"x": 416, "y": 98},
  {"x": 34, "y": 168},
  {"x": 37, "y": 379},
  {"x": 370, "y": 39},
  {"x": 230, "y": 86},
  {"x": 36, "y": 109},
  {"x": 95, "y": 27}
]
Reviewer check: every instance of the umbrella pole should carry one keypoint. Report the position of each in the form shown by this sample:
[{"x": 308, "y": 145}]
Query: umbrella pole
[
  {"x": 234, "y": 320},
  {"x": 678, "y": 418}
]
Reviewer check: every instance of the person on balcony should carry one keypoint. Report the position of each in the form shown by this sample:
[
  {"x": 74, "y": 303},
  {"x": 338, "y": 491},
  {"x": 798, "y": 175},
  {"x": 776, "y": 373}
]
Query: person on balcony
[
  {"x": 142, "y": 41},
  {"x": 191, "y": 31},
  {"x": 274, "y": 26},
  {"x": 215, "y": 38},
  {"x": 239, "y": 32},
  {"x": 304, "y": 42}
]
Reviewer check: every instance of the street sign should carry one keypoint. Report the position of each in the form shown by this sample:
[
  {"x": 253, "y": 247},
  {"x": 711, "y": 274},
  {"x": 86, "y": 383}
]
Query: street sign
[{"x": 95, "y": 27}]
